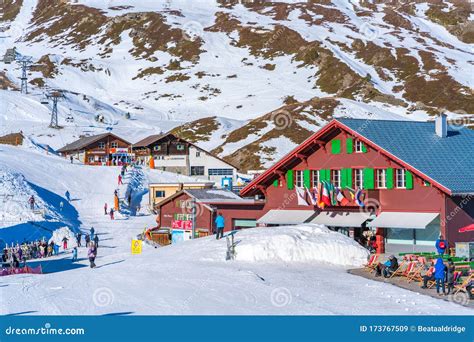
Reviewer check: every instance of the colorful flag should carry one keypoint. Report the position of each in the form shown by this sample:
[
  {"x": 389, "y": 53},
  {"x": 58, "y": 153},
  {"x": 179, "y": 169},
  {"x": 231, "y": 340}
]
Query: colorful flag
[
  {"x": 341, "y": 198},
  {"x": 301, "y": 196},
  {"x": 359, "y": 198},
  {"x": 325, "y": 195},
  {"x": 311, "y": 195}
]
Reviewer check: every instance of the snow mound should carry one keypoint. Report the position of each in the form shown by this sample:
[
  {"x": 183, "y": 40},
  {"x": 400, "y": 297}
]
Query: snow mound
[
  {"x": 303, "y": 243},
  {"x": 15, "y": 192},
  {"x": 60, "y": 234}
]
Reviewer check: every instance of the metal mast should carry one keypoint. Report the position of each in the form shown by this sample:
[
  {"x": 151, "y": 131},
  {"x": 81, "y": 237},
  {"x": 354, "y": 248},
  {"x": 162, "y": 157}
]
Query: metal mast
[
  {"x": 54, "y": 96},
  {"x": 25, "y": 63}
]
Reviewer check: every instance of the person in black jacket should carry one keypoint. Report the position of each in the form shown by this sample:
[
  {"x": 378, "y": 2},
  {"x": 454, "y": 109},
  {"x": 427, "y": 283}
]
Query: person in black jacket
[{"x": 450, "y": 275}]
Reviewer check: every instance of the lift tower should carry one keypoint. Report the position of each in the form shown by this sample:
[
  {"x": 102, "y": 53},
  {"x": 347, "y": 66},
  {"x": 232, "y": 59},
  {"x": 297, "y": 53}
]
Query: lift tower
[
  {"x": 54, "y": 96},
  {"x": 25, "y": 63}
]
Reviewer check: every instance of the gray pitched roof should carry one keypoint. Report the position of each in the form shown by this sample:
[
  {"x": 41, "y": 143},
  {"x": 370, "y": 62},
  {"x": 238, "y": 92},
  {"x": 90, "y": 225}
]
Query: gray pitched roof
[
  {"x": 84, "y": 142},
  {"x": 448, "y": 161},
  {"x": 150, "y": 140},
  {"x": 210, "y": 195}
]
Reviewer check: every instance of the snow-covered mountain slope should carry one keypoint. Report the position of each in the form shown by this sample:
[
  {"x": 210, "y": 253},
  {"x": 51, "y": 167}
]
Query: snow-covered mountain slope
[{"x": 227, "y": 66}]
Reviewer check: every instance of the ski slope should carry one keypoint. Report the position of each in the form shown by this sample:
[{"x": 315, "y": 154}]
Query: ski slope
[{"x": 277, "y": 271}]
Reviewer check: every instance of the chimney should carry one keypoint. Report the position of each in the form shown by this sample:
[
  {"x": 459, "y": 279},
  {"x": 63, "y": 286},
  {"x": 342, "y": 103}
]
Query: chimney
[{"x": 441, "y": 126}]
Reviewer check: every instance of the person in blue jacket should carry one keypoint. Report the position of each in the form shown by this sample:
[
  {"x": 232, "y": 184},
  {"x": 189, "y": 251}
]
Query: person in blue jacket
[
  {"x": 220, "y": 224},
  {"x": 441, "y": 245},
  {"x": 440, "y": 274}
]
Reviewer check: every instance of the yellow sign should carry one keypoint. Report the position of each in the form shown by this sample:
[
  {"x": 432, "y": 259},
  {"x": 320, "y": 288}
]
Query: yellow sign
[{"x": 136, "y": 246}]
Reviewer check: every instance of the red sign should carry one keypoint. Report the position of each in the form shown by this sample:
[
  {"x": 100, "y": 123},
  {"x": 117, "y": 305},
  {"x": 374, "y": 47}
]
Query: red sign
[{"x": 181, "y": 224}]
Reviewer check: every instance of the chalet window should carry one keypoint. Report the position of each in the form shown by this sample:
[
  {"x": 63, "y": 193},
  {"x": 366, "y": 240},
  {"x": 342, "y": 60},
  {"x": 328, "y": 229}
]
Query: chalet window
[
  {"x": 315, "y": 177},
  {"x": 160, "y": 193},
  {"x": 180, "y": 147},
  {"x": 401, "y": 179},
  {"x": 198, "y": 154},
  {"x": 299, "y": 178},
  {"x": 114, "y": 144},
  {"x": 381, "y": 178},
  {"x": 197, "y": 170},
  {"x": 360, "y": 147},
  {"x": 91, "y": 159},
  {"x": 157, "y": 148},
  {"x": 220, "y": 172},
  {"x": 101, "y": 145},
  {"x": 359, "y": 178},
  {"x": 336, "y": 178}
]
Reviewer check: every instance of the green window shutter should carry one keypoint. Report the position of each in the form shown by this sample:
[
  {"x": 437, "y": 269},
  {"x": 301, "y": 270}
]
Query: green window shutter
[
  {"x": 390, "y": 178},
  {"x": 290, "y": 183},
  {"x": 364, "y": 147},
  {"x": 276, "y": 182},
  {"x": 336, "y": 146},
  {"x": 346, "y": 178},
  {"x": 307, "y": 178},
  {"x": 343, "y": 178},
  {"x": 409, "y": 179},
  {"x": 369, "y": 180},
  {"x": 350, "y": 145},
  {"x": 324, "y": 175},
  {"x": 426, "y": 183}
]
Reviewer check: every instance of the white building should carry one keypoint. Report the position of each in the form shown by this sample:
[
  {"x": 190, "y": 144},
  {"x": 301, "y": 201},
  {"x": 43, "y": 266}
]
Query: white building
[{"x": 174, "y": 154}]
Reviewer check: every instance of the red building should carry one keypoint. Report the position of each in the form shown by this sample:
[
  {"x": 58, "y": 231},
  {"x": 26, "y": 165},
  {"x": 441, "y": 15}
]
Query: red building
[
  {"x": 101, "y": 149},
  {"x": 176, "y": 211},
  {"x": 413, "y": 180}
]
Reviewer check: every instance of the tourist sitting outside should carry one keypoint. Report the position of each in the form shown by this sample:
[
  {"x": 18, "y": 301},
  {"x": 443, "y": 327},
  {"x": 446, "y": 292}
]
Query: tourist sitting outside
[{"x": 387, "y": 268}]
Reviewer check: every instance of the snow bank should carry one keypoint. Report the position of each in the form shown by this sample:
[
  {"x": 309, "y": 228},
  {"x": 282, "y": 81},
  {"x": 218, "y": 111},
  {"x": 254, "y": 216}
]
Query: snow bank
[
  {"x": 60, "y": 234},
  {"x": 302, "y": 243}
]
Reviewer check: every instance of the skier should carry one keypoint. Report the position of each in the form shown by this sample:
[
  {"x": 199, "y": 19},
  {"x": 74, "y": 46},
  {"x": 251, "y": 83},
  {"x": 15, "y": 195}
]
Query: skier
[
  {"x": 78, "y": 239},
  {"x": 65, "y": 240},
  {"x": 61, "y": 206},
  {"x": 92, "y": 253},
  {"x": 74, "y": 254},
  {"x": 71, "y": 159},
  {"x": 105, "y": 209},
  {"x": 68, "y": 196},
  {"x": 92, "y": 231},
  {"x": 111, "y": 213},
  {"x": 88, "y": 239},
  {"x": 32, "y": 202},
  {"x": 96, "y": 240},
  {"x": 119, "y": 180}
]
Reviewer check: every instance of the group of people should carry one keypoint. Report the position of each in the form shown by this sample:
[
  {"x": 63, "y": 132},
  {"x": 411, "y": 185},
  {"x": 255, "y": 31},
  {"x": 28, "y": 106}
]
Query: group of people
[
  {"x": 439, "y": 271},
  {"x": 91, "y": 242},
  {"x": 15, "y": 255}
]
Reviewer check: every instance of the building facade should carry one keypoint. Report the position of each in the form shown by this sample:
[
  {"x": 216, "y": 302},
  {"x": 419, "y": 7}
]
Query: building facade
[
  {"x": 408, "y": 182},
  {"x": 103, "y": 149},
  {"x": 159, "y": 192},
  {"x": 173, "y": 154},
  {"x": 176, "y": 211}
]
